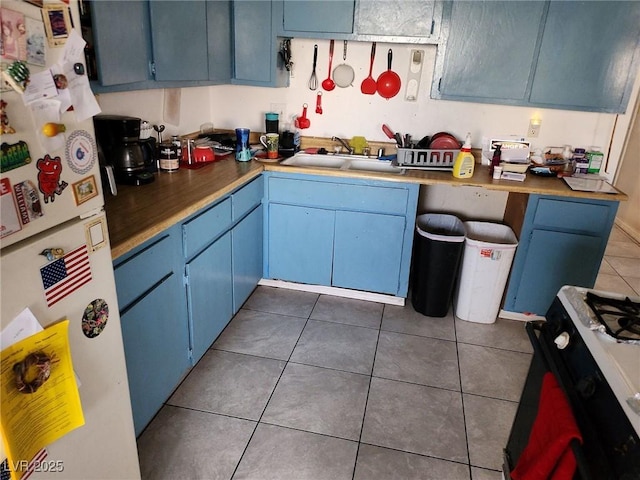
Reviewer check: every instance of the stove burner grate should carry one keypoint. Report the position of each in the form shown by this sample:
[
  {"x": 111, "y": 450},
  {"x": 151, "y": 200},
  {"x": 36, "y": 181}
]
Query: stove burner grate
[{"x": 620, "y": 318}]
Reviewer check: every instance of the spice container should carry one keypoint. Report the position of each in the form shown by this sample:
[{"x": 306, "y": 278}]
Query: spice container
[
  {"x": 581, "y": 161},
  {"x": 168, "y": 159}
]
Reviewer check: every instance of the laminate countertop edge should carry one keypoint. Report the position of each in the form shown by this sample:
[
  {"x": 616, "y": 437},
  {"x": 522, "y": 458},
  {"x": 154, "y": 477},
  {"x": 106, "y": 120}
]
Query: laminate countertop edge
[{"x": 137, "y": 214}]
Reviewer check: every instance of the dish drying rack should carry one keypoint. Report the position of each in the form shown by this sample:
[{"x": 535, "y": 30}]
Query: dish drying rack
[{"x": 425, "y": 159}]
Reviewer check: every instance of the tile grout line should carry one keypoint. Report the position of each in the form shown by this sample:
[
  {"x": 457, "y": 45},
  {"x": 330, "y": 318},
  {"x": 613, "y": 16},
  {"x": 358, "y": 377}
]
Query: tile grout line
[{"x": 244, "y": 451}]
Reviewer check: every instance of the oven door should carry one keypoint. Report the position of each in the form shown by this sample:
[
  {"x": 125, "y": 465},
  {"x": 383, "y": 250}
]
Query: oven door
[{"x": 592, "y": 463}]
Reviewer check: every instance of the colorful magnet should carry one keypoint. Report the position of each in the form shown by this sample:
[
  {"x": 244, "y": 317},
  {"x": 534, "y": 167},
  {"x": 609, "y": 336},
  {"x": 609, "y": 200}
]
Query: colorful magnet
[
  {"x": 28, "y": 201},
  {"x": 49, "y": 183},
  {"x": 17, "y": 75},
  {"x": 85, "y": 189},
  {"x": 52, "y": 253},
  {"x": 81, "y": 151},
  {"x": 95, "y": 317},
  {"x": 4, "y": 119},
  {"x": 14, "y": 155},
  {"x": 9, "y": 219}
]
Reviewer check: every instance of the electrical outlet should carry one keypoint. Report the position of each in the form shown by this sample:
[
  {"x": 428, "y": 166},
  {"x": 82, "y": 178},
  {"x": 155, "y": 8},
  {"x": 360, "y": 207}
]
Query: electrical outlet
[
  {"x": 280, "y": 109},
  {"x": 534, "y": 128}
]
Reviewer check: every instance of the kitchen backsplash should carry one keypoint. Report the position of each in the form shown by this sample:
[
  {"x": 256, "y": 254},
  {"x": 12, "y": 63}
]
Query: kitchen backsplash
[{"x": 347, "y": 112}]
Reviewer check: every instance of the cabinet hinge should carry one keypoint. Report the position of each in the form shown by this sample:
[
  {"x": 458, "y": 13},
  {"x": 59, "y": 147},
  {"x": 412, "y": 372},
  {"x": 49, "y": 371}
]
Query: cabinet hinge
[
  {"x": 433, "y": 26},
  {"x": 439, "y": 83},
  {"x": 190, "y": 356},
  {"x": 185, "y": 280},
  {"x": 152, "y": 69}
]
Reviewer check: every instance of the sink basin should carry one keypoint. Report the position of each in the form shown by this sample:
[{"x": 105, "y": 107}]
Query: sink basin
[
  {"x": 307, "y": 160},
  {"x": 342, "y": 162}
]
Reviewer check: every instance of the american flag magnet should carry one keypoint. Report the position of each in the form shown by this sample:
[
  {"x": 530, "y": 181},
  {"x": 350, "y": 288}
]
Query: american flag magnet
[{"x": 65, "y": 275}]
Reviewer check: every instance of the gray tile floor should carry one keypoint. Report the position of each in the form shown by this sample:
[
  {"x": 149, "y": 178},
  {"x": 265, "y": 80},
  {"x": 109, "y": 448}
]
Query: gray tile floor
[{"x": 305, "y": 386}]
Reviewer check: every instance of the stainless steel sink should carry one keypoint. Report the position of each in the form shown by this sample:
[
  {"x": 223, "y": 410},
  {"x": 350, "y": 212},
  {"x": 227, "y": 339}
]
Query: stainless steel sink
[{"x": 342, "y": 162}]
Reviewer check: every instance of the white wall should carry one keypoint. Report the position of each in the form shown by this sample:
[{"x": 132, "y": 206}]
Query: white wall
[{"x": 347, "y": 112}]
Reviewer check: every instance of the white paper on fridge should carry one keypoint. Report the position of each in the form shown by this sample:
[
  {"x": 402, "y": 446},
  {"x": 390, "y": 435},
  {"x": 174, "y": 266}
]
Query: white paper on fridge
[
  {"x": 84, "y": 102},
  {"x": 22, "y": 326}
]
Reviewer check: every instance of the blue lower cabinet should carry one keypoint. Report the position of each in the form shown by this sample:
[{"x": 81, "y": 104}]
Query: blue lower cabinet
[
  {"x": 368, "y": 251},
  {"x": 562, "y": 242},
  {"x": 246, "y": 246},
  {"x": 300, "y": 244},
  {"x": 209, "y": 294},
  {"x": 156, "y": 348},
  {"x": 346, "y": 233}
]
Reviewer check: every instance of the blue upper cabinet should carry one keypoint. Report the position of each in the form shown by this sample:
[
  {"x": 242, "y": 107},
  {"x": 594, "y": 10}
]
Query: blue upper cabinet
[
  {"x": 568, "y": 55},
  {"x": 179, "y": 33},
  {"x": 601, "y": 52},
  {"x": 120, "y": 35},
  {"x": 417, "y": 20},
  {"x": 255, "y": 45},
  {"x": 191, "y": 40},
  {"x": 490, "y": 50},
  {"x": 143, "y": 44},
  {"x": 399, "y": 21},
  {"x": 318, "y": 16}
]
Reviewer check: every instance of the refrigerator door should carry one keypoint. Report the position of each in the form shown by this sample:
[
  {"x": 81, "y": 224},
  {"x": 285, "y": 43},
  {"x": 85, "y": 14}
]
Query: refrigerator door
[
  {"x": 45, "y": 181},
  {"x": 105, "y": 447}
]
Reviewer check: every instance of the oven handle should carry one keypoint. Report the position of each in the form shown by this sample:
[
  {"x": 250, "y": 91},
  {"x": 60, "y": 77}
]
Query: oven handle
[{"x": 542, "y": 350}]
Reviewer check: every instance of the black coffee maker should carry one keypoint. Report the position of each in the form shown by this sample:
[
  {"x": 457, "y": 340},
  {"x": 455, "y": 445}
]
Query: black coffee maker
[{"x": 123, "y": 155}]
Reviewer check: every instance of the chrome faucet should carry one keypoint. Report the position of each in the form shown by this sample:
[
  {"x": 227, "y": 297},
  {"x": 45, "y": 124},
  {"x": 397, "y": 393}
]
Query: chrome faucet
[{"x": 344, "y": 144}]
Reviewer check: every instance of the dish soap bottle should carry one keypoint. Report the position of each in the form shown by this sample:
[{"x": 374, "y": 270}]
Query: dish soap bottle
[{"x": 465, "y": 162}]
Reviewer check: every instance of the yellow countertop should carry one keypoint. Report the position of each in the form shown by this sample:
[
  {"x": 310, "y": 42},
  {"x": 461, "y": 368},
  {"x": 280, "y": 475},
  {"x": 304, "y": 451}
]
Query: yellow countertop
[{"x": 136, "y": 214}]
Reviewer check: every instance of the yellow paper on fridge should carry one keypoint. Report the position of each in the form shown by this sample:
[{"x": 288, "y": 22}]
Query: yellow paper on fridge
[{"x": 39, "y": 399}]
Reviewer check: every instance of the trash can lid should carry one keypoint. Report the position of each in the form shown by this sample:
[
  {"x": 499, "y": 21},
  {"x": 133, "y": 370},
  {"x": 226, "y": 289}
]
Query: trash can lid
[{"x": 441, "y": 227}]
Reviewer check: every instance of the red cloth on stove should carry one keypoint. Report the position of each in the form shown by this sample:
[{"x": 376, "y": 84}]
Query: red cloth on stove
[{"x": 548, "y": 453}]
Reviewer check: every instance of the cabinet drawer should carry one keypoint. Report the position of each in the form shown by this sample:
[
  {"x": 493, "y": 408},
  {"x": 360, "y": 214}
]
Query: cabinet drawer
[
  {"x": 203, "y": 229},
  {"x": 145, "y": 268},
  {"x": 367, "y": 198},
  {"x": 572, "y": 216},
  {"x": 246, "y": 198}
]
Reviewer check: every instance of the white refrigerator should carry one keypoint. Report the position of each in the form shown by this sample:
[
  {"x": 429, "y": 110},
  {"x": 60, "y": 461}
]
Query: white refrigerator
[{"x": 55, "y": 256}]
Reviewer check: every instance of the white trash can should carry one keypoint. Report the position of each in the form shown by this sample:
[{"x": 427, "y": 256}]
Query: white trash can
[{"x": 488, "y": 253}]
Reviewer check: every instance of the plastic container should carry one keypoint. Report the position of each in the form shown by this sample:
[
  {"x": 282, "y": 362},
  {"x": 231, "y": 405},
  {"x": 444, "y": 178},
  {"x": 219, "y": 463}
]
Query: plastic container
[
  {"x": 465, "y": 162},
  {"x": 488, "y": 253},
  {"x": 437, "y": 249},
  {"x": 595, "y": 157}
]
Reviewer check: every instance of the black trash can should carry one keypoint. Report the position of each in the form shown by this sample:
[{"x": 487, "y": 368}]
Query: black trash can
[{"x": 437, "y": 250}]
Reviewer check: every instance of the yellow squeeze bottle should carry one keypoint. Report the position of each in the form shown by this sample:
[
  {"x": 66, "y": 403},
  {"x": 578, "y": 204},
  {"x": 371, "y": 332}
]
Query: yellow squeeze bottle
[{"x": 464, "y": 163}]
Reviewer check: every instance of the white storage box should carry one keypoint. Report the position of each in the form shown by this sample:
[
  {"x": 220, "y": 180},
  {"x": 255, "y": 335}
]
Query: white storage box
[{"x": 488, "y": 253}]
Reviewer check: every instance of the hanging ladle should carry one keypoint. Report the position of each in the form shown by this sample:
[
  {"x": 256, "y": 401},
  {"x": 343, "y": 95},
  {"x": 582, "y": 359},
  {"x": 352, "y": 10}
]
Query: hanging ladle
[
  {"x": 327, "y": 83},
  {"x": 369, "y": 85}
]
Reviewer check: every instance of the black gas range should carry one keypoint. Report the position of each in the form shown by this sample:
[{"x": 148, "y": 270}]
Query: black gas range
[{"x": 590, "y": 342}]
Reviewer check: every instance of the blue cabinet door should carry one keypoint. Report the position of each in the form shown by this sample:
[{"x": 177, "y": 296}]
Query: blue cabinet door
[
  {"x": 209, "y": 294},
  {"x": 396, "y": 18},
  {"x": 368, "y": 251},
  {"x": 587, "y": 55},
  {"x": 179, "y": 33},
  {"x": 490, "y": 49},
  {"x": 247, "y": 256},
  {"x": 156, "y": 346},
  {"x": 122, "y": 39},
  {"x": 300, "y": 243},
  {"x": 562, "y": 242},
  {"x": 255, "y": 46},
  {"x": 318, "y": 16},
  {"x": 554, "y": 259}
]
